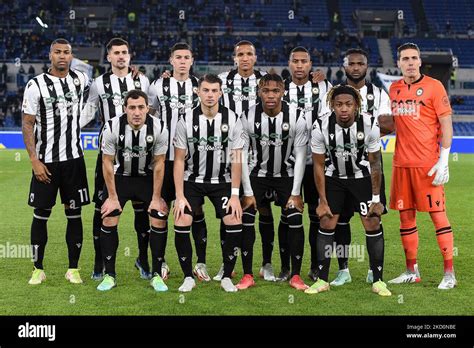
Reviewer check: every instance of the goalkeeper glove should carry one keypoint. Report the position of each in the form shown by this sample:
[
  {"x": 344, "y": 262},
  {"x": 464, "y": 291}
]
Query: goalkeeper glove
[{"x": 441, "y": 168}]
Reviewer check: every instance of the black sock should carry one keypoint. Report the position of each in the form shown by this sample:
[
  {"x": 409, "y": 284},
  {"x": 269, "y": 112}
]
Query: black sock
[
  {"x": 232, "y": 242},
  {"x": 283, "y": 243},
  {"x": 74, "y": 235},
  {"x": 296, "y": 239},
  {"x": 39, "y": 235},
  {"x": 96, "y": 225},
  {"x": 199, "y": 230},
  {"x": 343, "y": 241},
  {"x": 142, "y": 228},
  {"x": 109, "y": 243},
  {"x": 158, "y": 236},
  {"x": 324, "y": 247},
  {"x": 222, "y": 237},
  {"x": 312, "y": 236},
  {"x": 375, "y": 249},
  {"x": 248, "y": 239},
  {"x": 184, "y": 249},
  {"x": 267, "y": 232}
]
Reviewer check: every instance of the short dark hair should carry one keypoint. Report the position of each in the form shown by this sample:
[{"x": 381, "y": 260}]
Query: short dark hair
[
  {"x": 356, "y": 51},
  {"x": 300, "y": 49},
  {"x": 210, "y": 78},
  {"x": 243, "y": 43},
  {"x": 116, "y": 41},
  {"x": 60, "y": 41},
  {"x": 135, "y": 94},
  {"x": 407, "y": 46},
  {"x": 180, "y": 46},
  {"x": 343, "y": 89},
  {"x": 270, "y": 77}
]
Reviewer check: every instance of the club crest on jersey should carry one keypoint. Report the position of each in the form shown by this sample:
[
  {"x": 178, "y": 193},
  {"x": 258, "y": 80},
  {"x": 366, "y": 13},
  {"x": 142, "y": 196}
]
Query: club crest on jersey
[
  {"x": 285, "y": 126},
  {"x": 419, "y": 91},
  {"x": 137, "y": 84},
  {"x": 116, "y": 102},
  {"x": 360, "y": 135},
  {"x": 195, "y": 89},
  {"x": 315, "y": 90},
  {"x": 370, "y": 97},
  {"x": 77, "y": 82},
  {"x": 149, "y": 138},
  {"x": 225, "y": 127}
]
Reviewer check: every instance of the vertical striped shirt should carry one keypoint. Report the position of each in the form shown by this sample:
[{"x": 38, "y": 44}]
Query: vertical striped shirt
[
  {"x": 134, "y": 149},
  {"x": 307, "y": 99},
  {"x": 56, "y": 103},
  {"x": 272, "y": 140},
  {"x": 108, "y": 92},
  {"x": 209, "y": 143},
  {"x": 172, "y": 98},
  {"x": 240, "y": 93},
  {"x": 346, "y": 149}
]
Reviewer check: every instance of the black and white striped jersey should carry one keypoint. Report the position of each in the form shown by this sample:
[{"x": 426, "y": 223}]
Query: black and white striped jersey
[
  {"x": 375, "y": 101},
  {"x": 240, "y": 93},
  {"x": 56, "y": 103},
  {"x": 307, "y": 98},
  {"x": 134, "y": 149},
  {"x": 172, "y": 98},
  {"x": 346, "y": 149},
  {"x": 272, "y": 140},
  {"x": 108, "y": 92},
  {"x": 209, "y": 143}
]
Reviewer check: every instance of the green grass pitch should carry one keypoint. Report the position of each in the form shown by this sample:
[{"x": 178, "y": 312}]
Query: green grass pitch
[{"x": 134, "y": 296}]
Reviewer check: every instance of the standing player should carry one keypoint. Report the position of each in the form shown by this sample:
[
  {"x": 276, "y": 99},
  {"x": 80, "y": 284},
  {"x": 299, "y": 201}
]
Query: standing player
[
  {"x": 276, "y": 133},
  {"x": 351, "y": 141},
  {"x": 51, "y": 111},
  {"x": 171, "y": 97},
  {"x": 133, "y": 150},
  {"x": 422, "y": 120},
  {"x": 208, "y": 162},
  {"x": 375, "y": 102},
  {"x": 107, "y": 93},
  {"x": 305, "y": 95}
]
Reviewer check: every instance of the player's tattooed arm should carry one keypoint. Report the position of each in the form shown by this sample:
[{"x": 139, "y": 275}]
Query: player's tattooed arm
[
  {"x": 376, "y": 208},
  {"x": 40, "y": 170}
]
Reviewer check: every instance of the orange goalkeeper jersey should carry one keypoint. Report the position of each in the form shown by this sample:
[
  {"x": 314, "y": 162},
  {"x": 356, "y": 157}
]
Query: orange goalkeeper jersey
[{"x": 416, "y": 108}]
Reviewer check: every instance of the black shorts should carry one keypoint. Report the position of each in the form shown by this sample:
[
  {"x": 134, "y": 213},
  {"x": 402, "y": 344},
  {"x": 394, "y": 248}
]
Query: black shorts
[
  {"x": 357, "y": 191},
  {"x": 310, "y": 193},
  {"x": 98, "y": 181},
  {"x": 280, "y": 186},
  {"x": 218, "y": 194},
  {"x": 69, "y": 177},
  {"x": 168, "y": 191},
  {"x": 133, "y": 188}
]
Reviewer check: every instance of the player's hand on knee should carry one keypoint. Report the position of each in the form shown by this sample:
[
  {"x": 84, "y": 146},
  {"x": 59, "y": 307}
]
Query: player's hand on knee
[
  {"x": 317, "y": 76},
  {"x": 249, "y": 201},
  {"x": 110, "y": 205},
  {"x": 234, "y": 206},
  {"x": 375, "y": 210},
  {"x": 159, "y": 205},
  {"x": 323, "y": 210},
  {"x": 179, "y": 205},
  {"x": 295, "y": 202},
  {"x": 41, "y": 172}
]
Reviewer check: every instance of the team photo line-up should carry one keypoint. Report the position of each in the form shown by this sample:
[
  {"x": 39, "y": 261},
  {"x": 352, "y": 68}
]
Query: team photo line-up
[{"x": 244, "y": 138}]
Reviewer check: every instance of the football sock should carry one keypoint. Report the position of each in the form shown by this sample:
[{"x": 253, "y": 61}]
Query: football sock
[
  {"x": 184, "y": 249},
  {"x": 199, "y": 230},
  {"x": 39, "y": 235},
  {"x": 445, "y": 238},
  {"x": 283, "y": 242},
  {"x": 232, "y": 242},
  {"x": 109, "y": 243},
  {"x": 248, "y": 239},
  {"x": 409, "y": 234},
  {"x": 343, "y": 241},
  {"x": 267, "y": 232},
  {"x": 142, "y": 228},
  {"x": 96, "y": 225},
  {"x": 375, "y": 249},
  {"x": 74, "y": 235},
  {"x": 158, "y": 237},
  {"x": 324, "y": 248}
]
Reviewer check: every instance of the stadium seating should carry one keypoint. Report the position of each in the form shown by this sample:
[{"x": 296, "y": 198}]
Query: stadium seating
[{"x": 458, "y": 12}]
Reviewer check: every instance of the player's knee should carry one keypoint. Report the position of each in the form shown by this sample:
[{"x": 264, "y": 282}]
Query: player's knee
[
  {"x": 159, "y": 223},
  {"x": 73, "y": 213},
  {"x": 231, "y": 220},
  {"x": 295, "y": 218},
  {"x": 110, "y": 221},
  {"x": 440, "y": 219},
  {"x": 408, "y": 218},
  {"x": 158, "y": 215},
  {"x": 248, "y": 217},
  {"x": 42, "y": 214},
  {"x": 372, "y": 224}
]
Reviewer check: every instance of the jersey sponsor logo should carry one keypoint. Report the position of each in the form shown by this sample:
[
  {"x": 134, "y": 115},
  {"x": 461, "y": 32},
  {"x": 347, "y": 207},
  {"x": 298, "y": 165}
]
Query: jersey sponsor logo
[
  {"x": 238, "y": 90},
  {"x": 239, "y": 98},
  {"x": 304, "y": 100},
  {"x": 115, "y": 96},
  {"x": 70, "y": 96},
  {"x": 409, "y": 107},
  {"x": 209, "y": 139},
  {"x": 269, "y": 137},
  {"x": 205, "y": 148}
]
